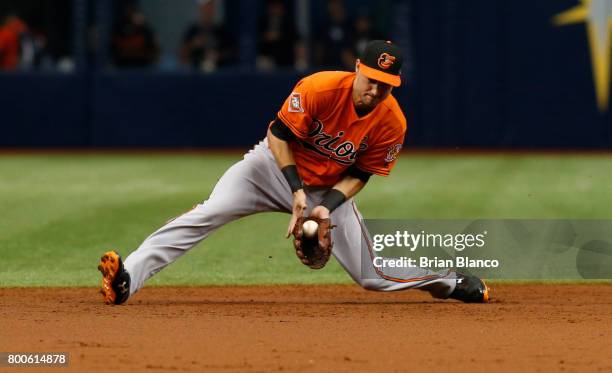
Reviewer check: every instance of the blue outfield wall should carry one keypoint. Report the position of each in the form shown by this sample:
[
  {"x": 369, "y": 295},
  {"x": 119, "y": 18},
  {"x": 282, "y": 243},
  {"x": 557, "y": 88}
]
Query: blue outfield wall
[
  {"x": 480, "y": 73},
  {"x": 44, "y": 110},
  {"x": 501, "y": 74},
  {"x": 178, "y": 110},
  {"x": 140, "y": 109}
]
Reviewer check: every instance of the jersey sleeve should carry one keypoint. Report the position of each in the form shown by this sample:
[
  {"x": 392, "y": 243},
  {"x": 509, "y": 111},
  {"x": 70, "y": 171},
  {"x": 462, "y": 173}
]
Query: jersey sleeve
[
  {"x": 381, "y": 154},
  {"x": 300, "y": 108}
]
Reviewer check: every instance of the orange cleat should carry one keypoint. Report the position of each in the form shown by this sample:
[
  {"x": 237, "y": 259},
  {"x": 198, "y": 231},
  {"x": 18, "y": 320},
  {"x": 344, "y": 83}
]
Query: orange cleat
[{"x": 115, "y": 279}]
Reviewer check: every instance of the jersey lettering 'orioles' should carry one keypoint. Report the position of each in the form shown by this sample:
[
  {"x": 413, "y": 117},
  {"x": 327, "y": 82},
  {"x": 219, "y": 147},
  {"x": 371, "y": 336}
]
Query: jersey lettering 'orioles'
[{"x": 332, "y": 137}]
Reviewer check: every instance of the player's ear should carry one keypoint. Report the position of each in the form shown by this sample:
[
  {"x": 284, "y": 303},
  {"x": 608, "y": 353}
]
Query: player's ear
[{"x": 357, "y": 65}]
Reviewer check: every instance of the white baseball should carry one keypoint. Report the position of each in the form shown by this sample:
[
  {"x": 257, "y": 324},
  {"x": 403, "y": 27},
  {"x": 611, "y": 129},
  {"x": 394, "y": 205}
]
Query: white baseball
[{"x": 310, "y": 228}]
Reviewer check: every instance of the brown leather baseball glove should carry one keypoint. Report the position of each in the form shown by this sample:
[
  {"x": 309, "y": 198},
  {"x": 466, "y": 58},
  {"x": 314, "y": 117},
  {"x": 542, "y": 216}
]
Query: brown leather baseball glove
[{"x": 315, "y": 251}]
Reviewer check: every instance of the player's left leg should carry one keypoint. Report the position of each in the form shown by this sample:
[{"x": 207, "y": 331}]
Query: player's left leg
[{"x": 354, "y": 251}]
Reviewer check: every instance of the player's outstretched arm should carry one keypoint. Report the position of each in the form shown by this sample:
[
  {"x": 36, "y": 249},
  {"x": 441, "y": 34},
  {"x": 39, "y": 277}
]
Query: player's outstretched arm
[{"x": 285, "y": 161}]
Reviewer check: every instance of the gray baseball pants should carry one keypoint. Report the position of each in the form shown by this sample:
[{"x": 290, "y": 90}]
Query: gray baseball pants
[{"x": 254, "y": 185}]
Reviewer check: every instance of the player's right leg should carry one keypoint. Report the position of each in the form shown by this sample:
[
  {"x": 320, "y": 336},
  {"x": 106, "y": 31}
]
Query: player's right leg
[{"x": 250, "y": 186}]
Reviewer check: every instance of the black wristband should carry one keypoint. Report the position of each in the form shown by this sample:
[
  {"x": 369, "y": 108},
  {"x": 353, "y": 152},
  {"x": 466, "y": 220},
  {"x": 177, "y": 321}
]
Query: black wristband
[
  {"x": 333, "y": 199},
  {"x": 293, "y": 178}
]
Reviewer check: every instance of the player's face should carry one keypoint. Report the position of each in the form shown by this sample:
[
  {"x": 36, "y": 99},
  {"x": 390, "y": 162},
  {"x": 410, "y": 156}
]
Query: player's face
[{"x": 368, "y": 93}]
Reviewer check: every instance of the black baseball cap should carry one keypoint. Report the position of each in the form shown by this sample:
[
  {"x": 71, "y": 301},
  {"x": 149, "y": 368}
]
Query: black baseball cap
[{"x": 382, "y": 60}]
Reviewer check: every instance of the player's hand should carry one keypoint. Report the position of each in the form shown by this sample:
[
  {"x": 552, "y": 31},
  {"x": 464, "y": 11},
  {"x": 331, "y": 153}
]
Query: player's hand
[
  {"x": 320, "y": 212},
  {"x": 299, "y": 206}
]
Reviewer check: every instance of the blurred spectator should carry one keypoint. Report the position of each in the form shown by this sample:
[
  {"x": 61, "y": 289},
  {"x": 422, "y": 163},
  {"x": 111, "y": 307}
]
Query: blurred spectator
[
  {"x": 21, "y": 46},
  {"x": 33, "y": 49},
  {"x": 277, "y": 37},
  {"x": 133, "y": 40},
  {"x": 332, "y": 47},
  {"x": 11, "y": 31},
  {"x": 206, "y": 45}
]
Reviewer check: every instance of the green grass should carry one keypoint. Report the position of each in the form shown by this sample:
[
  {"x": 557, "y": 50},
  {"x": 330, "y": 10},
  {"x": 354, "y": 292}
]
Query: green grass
[{"x": 60, "y": 212}]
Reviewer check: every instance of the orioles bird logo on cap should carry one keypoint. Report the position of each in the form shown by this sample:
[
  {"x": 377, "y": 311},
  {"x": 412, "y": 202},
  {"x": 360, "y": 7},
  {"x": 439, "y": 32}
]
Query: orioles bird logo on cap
[{"x": 385, "y": 61}]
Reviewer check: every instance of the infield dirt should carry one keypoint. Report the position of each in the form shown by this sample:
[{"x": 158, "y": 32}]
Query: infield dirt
[{"x": 528, "y": 328}]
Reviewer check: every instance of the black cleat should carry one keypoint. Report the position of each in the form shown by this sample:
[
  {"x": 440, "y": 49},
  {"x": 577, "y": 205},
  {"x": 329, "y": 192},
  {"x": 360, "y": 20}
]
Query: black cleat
[{"x": 470, "y": 289}]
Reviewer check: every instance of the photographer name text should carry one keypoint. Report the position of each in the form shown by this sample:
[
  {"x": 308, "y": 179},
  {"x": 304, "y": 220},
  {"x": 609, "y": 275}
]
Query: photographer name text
[{"x": 435, "y": 262}]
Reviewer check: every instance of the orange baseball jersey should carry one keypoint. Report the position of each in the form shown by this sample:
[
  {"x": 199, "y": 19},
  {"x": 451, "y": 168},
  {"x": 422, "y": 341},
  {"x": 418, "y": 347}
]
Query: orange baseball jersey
[{"x": 331, "y": 137}]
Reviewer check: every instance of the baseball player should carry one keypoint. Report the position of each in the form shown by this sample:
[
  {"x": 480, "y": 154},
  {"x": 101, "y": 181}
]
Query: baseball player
[{"x": 334, "y": 131}]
